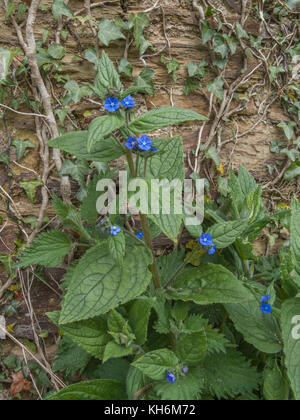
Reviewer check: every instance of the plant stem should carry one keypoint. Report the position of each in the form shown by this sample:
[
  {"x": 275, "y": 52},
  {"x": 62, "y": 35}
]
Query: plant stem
[{"x": 130, "y": 162}]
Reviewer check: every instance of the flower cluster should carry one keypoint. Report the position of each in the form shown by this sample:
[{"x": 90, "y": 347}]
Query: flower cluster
[
  {"x": 140, "y": 235},
  {"x": 113, "y": 104},
  {"x": 144, "y": 143},
  {"x": 207, "y": 241},
  {"x": 170, "y": 377},
  {"x": 266, "y": 308},
  {"x": 115, "y": 230}
]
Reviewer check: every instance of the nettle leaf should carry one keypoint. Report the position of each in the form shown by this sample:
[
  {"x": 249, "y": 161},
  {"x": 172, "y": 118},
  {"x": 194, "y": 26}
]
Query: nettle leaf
[
  {"x": 168, "y": 163},
  {"x": 276, "y": 388},
  {"x": 108, "y": 31},
  {"x": 107, "y": 76},
  {"x": 99, "y": 285},
  {"x": 21, "y": 147},
  {"x": 101, "y": 127},
  {"x": 229, "y": 375},
  {"x": 156, "y": 363},
  {"x": 91, "y": 334},
  {"x": 225, "y": 233},
  {"x": 59, "y": 9},
  {"x": 138, "y": 318},
  {"x": 257, "y": 328},
  {"x": 164, "y": 117},
  {"x": 117, "y": 247},
  {"x": 208, "y": 284},
  {"x": 75, "y": 143},
  {"x": 47, "y": 249},
  {"x": 97, "y": 390},
  {"x": 192, "y": 348},
  {"x": 217, "y": 87},
  {"x": 30, "y": 188},
  {"x": 70, "y": 358},
  {"x": 114, "y": 350},
  {"x": 290, "y": 324},
  {"x": 295, "y": 233},
  {"x": 185, "y": 388}
]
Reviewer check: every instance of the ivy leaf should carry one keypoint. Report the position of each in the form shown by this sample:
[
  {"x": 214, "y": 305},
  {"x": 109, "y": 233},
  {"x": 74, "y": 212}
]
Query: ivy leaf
[
  {"x": 4, "y": 158},
  {"x": 208, "y": 284},
  {"x": 75, "y": 143},
  {"x": 125, "y": 67},
  {"x": 108, "y": 32},
  {"x": 99, "y": 285},
  {"x": 76, "y": 93},
  {"x": 59, "y": 9},
  {"x": 290, "y": 324},
  {"x": 220, "y": 46},
  {"x": 156, "y": 363},
  {"x": 288, "y": 128},
  {"x": 164, "y": 117},
  {"x": 217, "y": 87},
  {"x": 30, "y": 188},
  {"x": 192, "y": 348},
  {"x": 257, "y": 328},
  {"x": 275, "y": 71},
  {"x": 232, "y": 43},
  {"x": 225, "y": 233},
  {"x": 213, "y": 154},
  {"x": 145, "y": 81},
  {"x": 56, "y": 51},
  {"x": 292, "y": 154},
  {"x": 91, "y": 334},
  {"x": 207, "y": 33},
  {"x": 292, "y": 172},
  {"x": 6, "y": 58},
  {"x": 117, "y": 247},
  {"x": 76, "y": 170},
  {"x": 97, "y": 390},
  {"x": 172, "y": 66},
  {"x": 101, "y": 127},
  {"x": 141, "y": 21},
  {"x": 47, "y": 249},
  {"x": 241, "y": 33}
]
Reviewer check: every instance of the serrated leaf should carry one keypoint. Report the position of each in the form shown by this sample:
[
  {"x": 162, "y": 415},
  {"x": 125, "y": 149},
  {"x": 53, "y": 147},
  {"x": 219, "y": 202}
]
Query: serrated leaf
[
  {"x": 225, "y": 233},
  {"x": 101, "y": 127},
  {"x": 156, "y": 363},
  {"x": 99, "y": 285},
  {"x": 257, "y": 328},
  {"x": 70, "y": 358},
  {"x": 290, "y": 324},
  {"x": 192, "y": 348},
  {"x": 185, "y": 388},
  {"x": 108, "y": 32},
  {"x": 164, "y": 117},
  {"x": 91, "y": 334},
  {"x": 75, "y": 143},
  {"x": 47, "y": 249},
  {"x": 97, "y": 390},
  {"x": 208, "y": 284}
]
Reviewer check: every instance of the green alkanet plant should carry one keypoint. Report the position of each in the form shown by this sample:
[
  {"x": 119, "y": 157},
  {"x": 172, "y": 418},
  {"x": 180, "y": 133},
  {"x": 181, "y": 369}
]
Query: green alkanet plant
[{"x": 176, "y": 326}]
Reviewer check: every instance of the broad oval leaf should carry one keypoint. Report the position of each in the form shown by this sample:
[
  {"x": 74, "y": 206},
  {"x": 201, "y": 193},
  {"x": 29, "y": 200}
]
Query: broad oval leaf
[
  {"x": 101, "y": 127},
  {"x": 226, "y": 233},
  {"x": 97, "y": 390},
  {"x": 156, "y": 363},
  {"x": 99, "y": 284},
  {"x": 164, "y": 117}
]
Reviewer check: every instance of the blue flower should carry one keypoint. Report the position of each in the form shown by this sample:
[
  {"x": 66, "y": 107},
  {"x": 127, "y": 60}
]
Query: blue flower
[
  {"x": 140, "y": 235},
  {"x": 115, "y": 230},
  {"x": 131, "y": 143},
  {"x": 185, "y": 369},
  {"x": 128, "y": 102},
  {"x": 112, "y": 104},
  {"x": 206, "y": 239},
  {"x": 212, "y": 250},
  {"x": 154, "y": 149},
  {"x": 266, "y": 308},
  {"x": 265, "y": 299},
  {"x": 170, "y": 377},
  {"x": 145, "y": 143}
]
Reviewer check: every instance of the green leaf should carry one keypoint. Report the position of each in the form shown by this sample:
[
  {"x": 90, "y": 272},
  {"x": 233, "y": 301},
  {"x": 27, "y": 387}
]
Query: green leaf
[
  {"x": 4, "y": 158},
  {"x": 185, "y": 388},
  {"x": 88, "y": 209},
  {"x": 76, "y": 93},
  {"x": 30, "y": 188},
  {"x": 257, "y": 328},
  {"x": 292, "y": 172},
  {"x": 56, "y": 51},
  {"x": 275, "y": 71},
  {"x": 295, "y": 233},
  {"x": 135, "y": 381},
  {"x": 276, "y": 388},
  {"x": 99, "y": 285},
  {"x": 290, "y": 324},
  {"x": 70, "y": 358},
  {"x": 288, "y": 128},
  {"x": 207, "y": 33},
  {"x": 156, "y": 363},
  {"x": 217, "y": 87},
  {"x": 229, "y": 375},
  {"x": 168, "y": 163},
  {"x": 108, "y": 31},
  {"x": 225, "y": 233},
  {"x": 125, "y": 67},
  {"x": 164, "y": 117},
  {"x": 138, "y": 318},
  {"x": 75, "y": 143},
  {"x": 6, "y": 57},
  {"x": 213, "y": 154},
  {"x": 47, "y": 249},
  {"x": 97, "y": 390},
  {"x": 192, "y": 348},
  {"x": 101, "y": 127},
  {"x": 145, "y": 81},
  {"x": 107, "y": 76},
  {"x": 59, "y": 9},
  {"x": 117, "y": 247},
  {"x": 241, "y": 33},
  {"x": 114, "y": 350},
  {"x": 208, "y": 284},
  {"x": 140, "y": 22},
  {"x": 91, "y": 334},
  {"x": 76, "y": 170},
  {"x": 169, "y": 265},
  {"x": 172, "y": 66}
]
